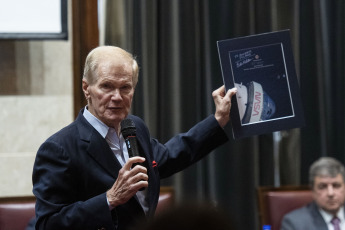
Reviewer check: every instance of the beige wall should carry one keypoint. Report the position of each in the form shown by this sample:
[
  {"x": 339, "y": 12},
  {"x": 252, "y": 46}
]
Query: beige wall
[{"x": 36, "y": 99}]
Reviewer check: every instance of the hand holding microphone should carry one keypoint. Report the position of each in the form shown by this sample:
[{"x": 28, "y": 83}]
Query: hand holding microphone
[
  {"x": 130, "y": 178},
  {"x": 129, "y": 132},
  {"x": 128, "y": 183}
]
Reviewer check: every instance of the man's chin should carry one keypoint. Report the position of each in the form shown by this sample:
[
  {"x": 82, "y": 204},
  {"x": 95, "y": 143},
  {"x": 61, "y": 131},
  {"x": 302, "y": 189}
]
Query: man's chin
[
  {"x": 115, "y": 116},
  {"x": 332, "y": 209},
  {"x": 114, "y": 121}
]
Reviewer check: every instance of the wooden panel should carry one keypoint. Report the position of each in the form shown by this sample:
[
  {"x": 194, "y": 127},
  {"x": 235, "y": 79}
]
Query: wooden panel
[
  {"x": 85, "y": 38},
  {"x": 8, "y": 75}
]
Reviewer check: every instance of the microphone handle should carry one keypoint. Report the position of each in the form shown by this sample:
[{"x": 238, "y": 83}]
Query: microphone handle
[{"x": 132, "y": 147}]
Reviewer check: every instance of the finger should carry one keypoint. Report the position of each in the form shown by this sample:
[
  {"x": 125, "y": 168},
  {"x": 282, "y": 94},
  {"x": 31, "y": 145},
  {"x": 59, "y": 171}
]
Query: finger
[
  {"x": 231, "y": 92},
  {"x": 138, "y": 169},
  {"x": 139, "y": 185},
  {"x": 140, "y": 180},
  {"x": 227, "y": 98},
  {"x": 142, "y": 184},
  {"x": 133, "y": 160},
  {"x": 219, "y": 92},
  {"x": 140, "y": 176},
  {"x": 221, "y": 89}
]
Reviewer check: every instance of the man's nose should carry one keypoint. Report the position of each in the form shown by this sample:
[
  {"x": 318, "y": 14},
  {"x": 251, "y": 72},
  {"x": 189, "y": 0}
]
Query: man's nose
[
  {"x": 330, "y": 190},
  {"x": 116, "y": 95}
]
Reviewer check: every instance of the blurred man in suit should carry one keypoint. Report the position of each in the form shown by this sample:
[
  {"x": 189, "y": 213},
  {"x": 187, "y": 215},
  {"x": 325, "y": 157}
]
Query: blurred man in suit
[
  {"x": 326, "y": 212},
  {"x": 83, "y": 177}
]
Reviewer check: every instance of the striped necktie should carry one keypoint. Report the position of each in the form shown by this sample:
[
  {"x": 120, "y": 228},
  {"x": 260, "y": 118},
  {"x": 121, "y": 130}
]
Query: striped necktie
[{"x": 335, "y": 221}]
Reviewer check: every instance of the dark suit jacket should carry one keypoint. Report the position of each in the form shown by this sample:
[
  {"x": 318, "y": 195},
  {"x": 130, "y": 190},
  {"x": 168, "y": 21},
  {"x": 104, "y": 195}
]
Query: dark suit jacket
[
  {"x": 75, "y": 167},
  {"x": 305, "y": 218}
]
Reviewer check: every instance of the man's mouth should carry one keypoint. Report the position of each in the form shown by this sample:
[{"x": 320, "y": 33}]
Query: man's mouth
[
  {"x": 332, "y": 202},
  {"x": 114, "y": 108}
]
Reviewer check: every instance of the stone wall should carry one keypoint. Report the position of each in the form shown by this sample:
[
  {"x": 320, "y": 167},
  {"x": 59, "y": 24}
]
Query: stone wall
[{"x": 36, "y": 98}]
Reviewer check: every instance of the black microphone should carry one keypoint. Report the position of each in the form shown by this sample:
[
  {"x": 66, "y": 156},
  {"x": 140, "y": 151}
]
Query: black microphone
[{"x": 128, "y": 131}]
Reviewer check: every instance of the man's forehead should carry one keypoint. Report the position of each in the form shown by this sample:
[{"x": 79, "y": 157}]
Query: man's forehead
[
  {"x": 114, "y": 71},
  {"x": 328, "y": 179},
  {"x": 114, "y": 62},
  {"x": 113, "y": 53}
]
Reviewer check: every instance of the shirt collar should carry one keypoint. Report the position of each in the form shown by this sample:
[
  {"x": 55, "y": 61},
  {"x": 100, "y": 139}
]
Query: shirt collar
[
  {"x": 340, "y": 215},
  {"x": 96, "y": 123},
  {"x": 328, "y": 217}
]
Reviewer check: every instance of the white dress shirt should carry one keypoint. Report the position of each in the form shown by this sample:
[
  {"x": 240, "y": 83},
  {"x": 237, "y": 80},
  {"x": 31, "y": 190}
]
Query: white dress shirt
[{"x": 328, "y": 217}]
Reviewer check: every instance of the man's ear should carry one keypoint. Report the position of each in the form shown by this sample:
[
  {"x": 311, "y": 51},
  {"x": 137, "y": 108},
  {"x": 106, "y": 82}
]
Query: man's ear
[{"x": 85, "y": 86}]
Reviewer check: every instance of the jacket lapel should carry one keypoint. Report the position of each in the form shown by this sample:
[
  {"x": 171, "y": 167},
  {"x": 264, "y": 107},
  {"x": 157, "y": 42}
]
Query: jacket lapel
[
  {"x": 97, "y": 147},
  {"x": 317, "y": 218},
  {"x": 100, "y": 151}
]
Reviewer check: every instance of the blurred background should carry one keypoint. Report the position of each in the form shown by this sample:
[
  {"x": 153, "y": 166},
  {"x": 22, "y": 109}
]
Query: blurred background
[{"x": 174, "y": 42}]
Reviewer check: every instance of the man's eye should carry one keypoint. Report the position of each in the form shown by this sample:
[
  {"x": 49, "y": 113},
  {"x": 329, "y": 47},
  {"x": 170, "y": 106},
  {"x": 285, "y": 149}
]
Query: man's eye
[
  {"x": 321, "y": 186},
  {"x": 126, "y": 88},
  {"x": 106, "y": 86},
  {"x": 336, "y": 185}
]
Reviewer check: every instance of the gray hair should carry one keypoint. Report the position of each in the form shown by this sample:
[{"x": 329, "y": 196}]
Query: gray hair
[
  {"x": 326, "y": 167},
  {"x": 101, "y": 53}
]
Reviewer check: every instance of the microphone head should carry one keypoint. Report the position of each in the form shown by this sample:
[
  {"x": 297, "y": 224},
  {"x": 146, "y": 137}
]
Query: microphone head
[{"x": 128, "y": 128}]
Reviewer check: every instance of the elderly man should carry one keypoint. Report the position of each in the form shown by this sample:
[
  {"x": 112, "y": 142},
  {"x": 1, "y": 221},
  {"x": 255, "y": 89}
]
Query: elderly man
[
  {"x": 326, "y": 177},
  {"x": 83, "y": 177}
]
